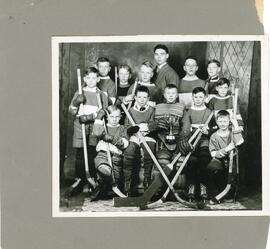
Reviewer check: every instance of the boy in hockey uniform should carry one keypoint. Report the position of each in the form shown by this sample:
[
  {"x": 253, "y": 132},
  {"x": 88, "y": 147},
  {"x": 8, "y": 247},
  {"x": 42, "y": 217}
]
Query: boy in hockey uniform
[
  {"x": 112, "y": 142},
  {"x": 213, "y": 69},
  {"x": 189, "y": 82},
  {"x": 164, "y": 74},
  {"x": 193, "y": 119},
  {"x": 168, "y": 116},
  {"x": 220, "y": 144},
  {"x": 105, "y": 84},
  {"x": 143, "y": 116},
  {"x": 224, "y": 101},
  {"x": 85, "y": 115},
  {"x": 146, "y": 74}
]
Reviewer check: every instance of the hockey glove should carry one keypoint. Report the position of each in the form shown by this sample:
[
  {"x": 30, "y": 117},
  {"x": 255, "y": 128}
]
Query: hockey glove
[
  {"x": 86, "y": 118},
  {"x": 132, "y": 130},
  {"x": 183, "y": 144}
]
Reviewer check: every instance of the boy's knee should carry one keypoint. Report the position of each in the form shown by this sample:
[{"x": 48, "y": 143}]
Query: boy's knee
[{"x": 214, "y": 166}]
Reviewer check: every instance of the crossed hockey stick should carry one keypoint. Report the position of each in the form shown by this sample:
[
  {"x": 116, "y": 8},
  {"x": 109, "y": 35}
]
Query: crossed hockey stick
[
  {"x": 163, "y": 174},
  {"x": 198, "y": 134}
]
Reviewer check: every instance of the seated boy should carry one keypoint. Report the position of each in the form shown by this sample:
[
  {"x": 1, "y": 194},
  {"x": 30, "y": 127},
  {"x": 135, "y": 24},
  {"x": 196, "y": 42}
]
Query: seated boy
[
  {"x": 168, "y": 117},
  {"x": 223, "y": 100},
  {"x": 220, "y": 144},
  {"x": 85, "y": 114},
  {"x": 213, "y": 69},
  {"x": 116, "y": 140},
  {"x": 105, "y": 84},
  {"x": 143, "y": 116},
  {"x": 193, "y": 119},
  {"x": 189, "y": 82},
  {"x": 146, "y": 74}
]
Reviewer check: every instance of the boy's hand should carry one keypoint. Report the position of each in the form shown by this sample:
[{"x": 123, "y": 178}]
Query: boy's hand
[
  {"x": 86, "y": 118},
  {"x": 78, "y": 100},
  {"x": 229, "y": 147},
  {"x": 132, "y": 130},
  {"x": 120, "y": 143},
  {"x": 107, "y": 138},
  {"x": 129, "y": 98},
  {"x": 101, "y": 113},
  {"x": 204, "y": 130},
  {"x": 234, "y": 122}
]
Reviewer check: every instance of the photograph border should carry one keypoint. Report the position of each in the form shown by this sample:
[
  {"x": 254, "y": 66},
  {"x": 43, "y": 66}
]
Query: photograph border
[{"x": 265, "y": 96}]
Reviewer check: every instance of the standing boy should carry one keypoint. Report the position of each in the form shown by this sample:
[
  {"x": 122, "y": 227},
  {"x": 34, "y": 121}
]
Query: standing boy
[
  {"x": 143, "y": 116},
  {"x": 193, "y": 119},
  {"x": 164, "y": 73},
  {"x": 213, "y": 69},
  {"x": 146, "y": 74},
  {"x": 85, "y": 115},
  {"x": 105, "y": 84},
  {"x": 224, "y": 101},
  {"x": 189, "y": 82}
]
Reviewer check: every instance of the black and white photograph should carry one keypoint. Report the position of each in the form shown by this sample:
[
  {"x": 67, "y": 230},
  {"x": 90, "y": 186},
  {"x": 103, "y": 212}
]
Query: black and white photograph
[{"x": 159, "y": 125}]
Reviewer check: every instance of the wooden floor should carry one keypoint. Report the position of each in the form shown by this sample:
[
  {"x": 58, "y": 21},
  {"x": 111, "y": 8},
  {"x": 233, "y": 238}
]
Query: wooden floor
[{"x": 248, "y": 199}]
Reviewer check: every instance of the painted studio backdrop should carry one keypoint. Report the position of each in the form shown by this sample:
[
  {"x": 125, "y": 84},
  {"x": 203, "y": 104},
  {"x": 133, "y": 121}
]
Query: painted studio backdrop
[{"x": 240, "y": 61}]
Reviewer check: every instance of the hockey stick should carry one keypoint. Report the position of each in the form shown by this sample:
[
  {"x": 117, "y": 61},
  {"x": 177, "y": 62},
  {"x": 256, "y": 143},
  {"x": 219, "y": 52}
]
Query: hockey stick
[
  {"x": 197, "y": 134},
  {"x": 133, "y": 92},
  {"x": 141, "y": 137},
  {"x": 228, "y": 187},
  {"x": 88, "y": 177},
  {"x": 114, "y": 186},
  {"x": 158, "y": 182},
  {"x": 115, "y": 78}
]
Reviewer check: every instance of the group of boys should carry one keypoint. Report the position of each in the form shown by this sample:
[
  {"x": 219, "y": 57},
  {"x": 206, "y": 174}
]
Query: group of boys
[{"x": 166, "y": 111}]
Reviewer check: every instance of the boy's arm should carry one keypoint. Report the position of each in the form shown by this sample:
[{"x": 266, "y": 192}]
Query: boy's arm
[
  {"x": 112, "y": 92},
  {"x": 98, "y": 127},
  {"x": 213, "y": 148},
  {"x": 121, "y": 141},
  {"x": 237, "y": 137},
  {"x": 186, "y": 124},
  {"x": 129, "y": 96},
  {"x": 75, "y": 103},
  {"x": 172, "y": 78},
  {"x": 152, "y": 125}
]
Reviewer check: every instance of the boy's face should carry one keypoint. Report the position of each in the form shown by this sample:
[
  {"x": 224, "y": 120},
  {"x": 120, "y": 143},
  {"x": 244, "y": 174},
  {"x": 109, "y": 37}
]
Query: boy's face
[
  {"x": 213, "y": 69},
  {"x": 114, "y": 117},
  {"x": 91, "y": 79},
  {"x": 141, "y": 98},
  {"x": 170, "y": 94},
  {"x": 103, "y": 68},
  {"x": 198, "y": 98},
  {"x": 222, "y": 90},
  {"x": 146, "y": 74},
  {"x": 160, "y": 56},
  {"x": 124, "y": 75},
  {"x": 223, "y": 122},
  {"x": 190, "y": 67}
]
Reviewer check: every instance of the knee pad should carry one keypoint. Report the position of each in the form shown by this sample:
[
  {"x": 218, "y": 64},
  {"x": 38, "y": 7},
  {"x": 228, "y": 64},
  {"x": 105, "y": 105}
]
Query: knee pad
[
  {"x": 163, "y": 157},
  {"x": 104, "y": 170}
]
